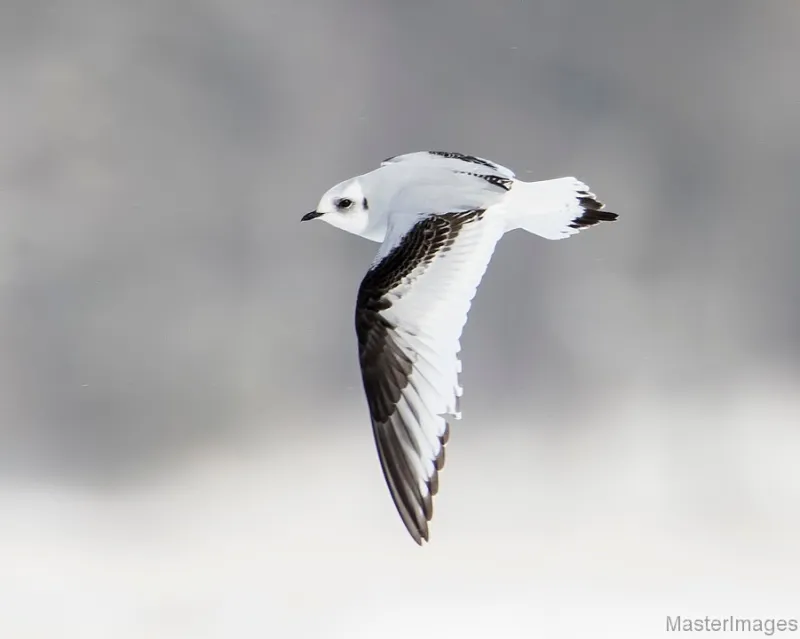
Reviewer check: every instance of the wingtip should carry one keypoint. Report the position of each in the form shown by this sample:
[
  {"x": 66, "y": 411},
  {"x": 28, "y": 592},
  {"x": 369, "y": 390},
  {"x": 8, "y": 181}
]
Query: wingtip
[{"x": 419, "y": 534}]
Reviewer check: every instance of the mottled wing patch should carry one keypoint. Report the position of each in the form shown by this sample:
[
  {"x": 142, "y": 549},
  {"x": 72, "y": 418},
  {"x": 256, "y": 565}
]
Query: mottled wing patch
[
  {"x": 495, "y": 180},
  {"x": 418, "y": 247},
  {"x": 471, "y": 159}
]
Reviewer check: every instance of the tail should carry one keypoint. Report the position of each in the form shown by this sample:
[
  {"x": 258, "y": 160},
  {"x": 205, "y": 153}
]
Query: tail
[{"x": 554, "y": 209}]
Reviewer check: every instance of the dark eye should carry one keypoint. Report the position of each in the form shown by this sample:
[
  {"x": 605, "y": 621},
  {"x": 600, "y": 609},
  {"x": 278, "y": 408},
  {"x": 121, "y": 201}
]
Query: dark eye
[{"x": 344, "y": 203}]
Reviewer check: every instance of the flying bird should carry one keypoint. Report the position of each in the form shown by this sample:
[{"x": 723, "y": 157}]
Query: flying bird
[{"x": 438, "y": 217}]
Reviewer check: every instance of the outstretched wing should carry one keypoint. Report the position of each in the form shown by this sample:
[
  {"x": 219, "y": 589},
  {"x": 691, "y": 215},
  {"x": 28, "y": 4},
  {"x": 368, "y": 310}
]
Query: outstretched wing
[{"x": 412, "y": 306}]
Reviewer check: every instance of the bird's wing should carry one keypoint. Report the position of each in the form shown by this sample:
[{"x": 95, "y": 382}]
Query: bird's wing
[
  {"x": 490, "y": 171},
  {"x": 412, "y": 306}
]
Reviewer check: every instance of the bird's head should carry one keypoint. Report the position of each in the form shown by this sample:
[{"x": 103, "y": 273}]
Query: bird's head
[{"x": 344, "y": 206}]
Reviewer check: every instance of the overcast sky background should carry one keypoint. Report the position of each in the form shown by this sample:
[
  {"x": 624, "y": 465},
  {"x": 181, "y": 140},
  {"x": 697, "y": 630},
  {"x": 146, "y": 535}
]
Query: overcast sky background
[{"x": 185, "y": 449}]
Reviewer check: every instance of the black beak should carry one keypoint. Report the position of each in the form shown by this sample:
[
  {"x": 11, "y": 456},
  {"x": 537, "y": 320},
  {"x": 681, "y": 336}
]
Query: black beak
[{"x": 311, "y": 216}]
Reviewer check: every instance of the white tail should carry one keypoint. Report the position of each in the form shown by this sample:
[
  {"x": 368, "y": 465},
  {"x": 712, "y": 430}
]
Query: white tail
[{"x": 553, "y": 209}]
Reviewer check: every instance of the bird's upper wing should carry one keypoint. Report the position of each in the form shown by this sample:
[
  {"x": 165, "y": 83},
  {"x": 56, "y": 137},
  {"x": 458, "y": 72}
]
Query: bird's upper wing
[
  {"x": 490, "y": 171},
  {"x": 412, "y": 306}
]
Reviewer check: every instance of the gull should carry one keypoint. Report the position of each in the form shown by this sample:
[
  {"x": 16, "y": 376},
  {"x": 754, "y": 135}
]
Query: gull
[{"x": 438, "y": 217}]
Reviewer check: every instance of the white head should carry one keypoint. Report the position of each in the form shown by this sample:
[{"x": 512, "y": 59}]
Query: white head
[{"x": 344, "y": 206}]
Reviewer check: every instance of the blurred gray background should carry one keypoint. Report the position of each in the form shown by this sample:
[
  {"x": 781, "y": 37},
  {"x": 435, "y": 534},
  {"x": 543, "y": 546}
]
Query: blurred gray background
[{"x": 185, "y": 449}]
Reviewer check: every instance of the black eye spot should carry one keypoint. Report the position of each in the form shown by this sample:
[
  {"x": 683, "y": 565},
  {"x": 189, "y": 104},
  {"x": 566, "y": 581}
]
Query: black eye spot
[
  {"x": 365, "y": 204},
  {"x": 344, "y": 203}
]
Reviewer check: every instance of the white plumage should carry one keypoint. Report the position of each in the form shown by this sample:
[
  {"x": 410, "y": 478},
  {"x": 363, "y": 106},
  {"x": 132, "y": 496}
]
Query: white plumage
[{"x": 438, "y": 217}]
